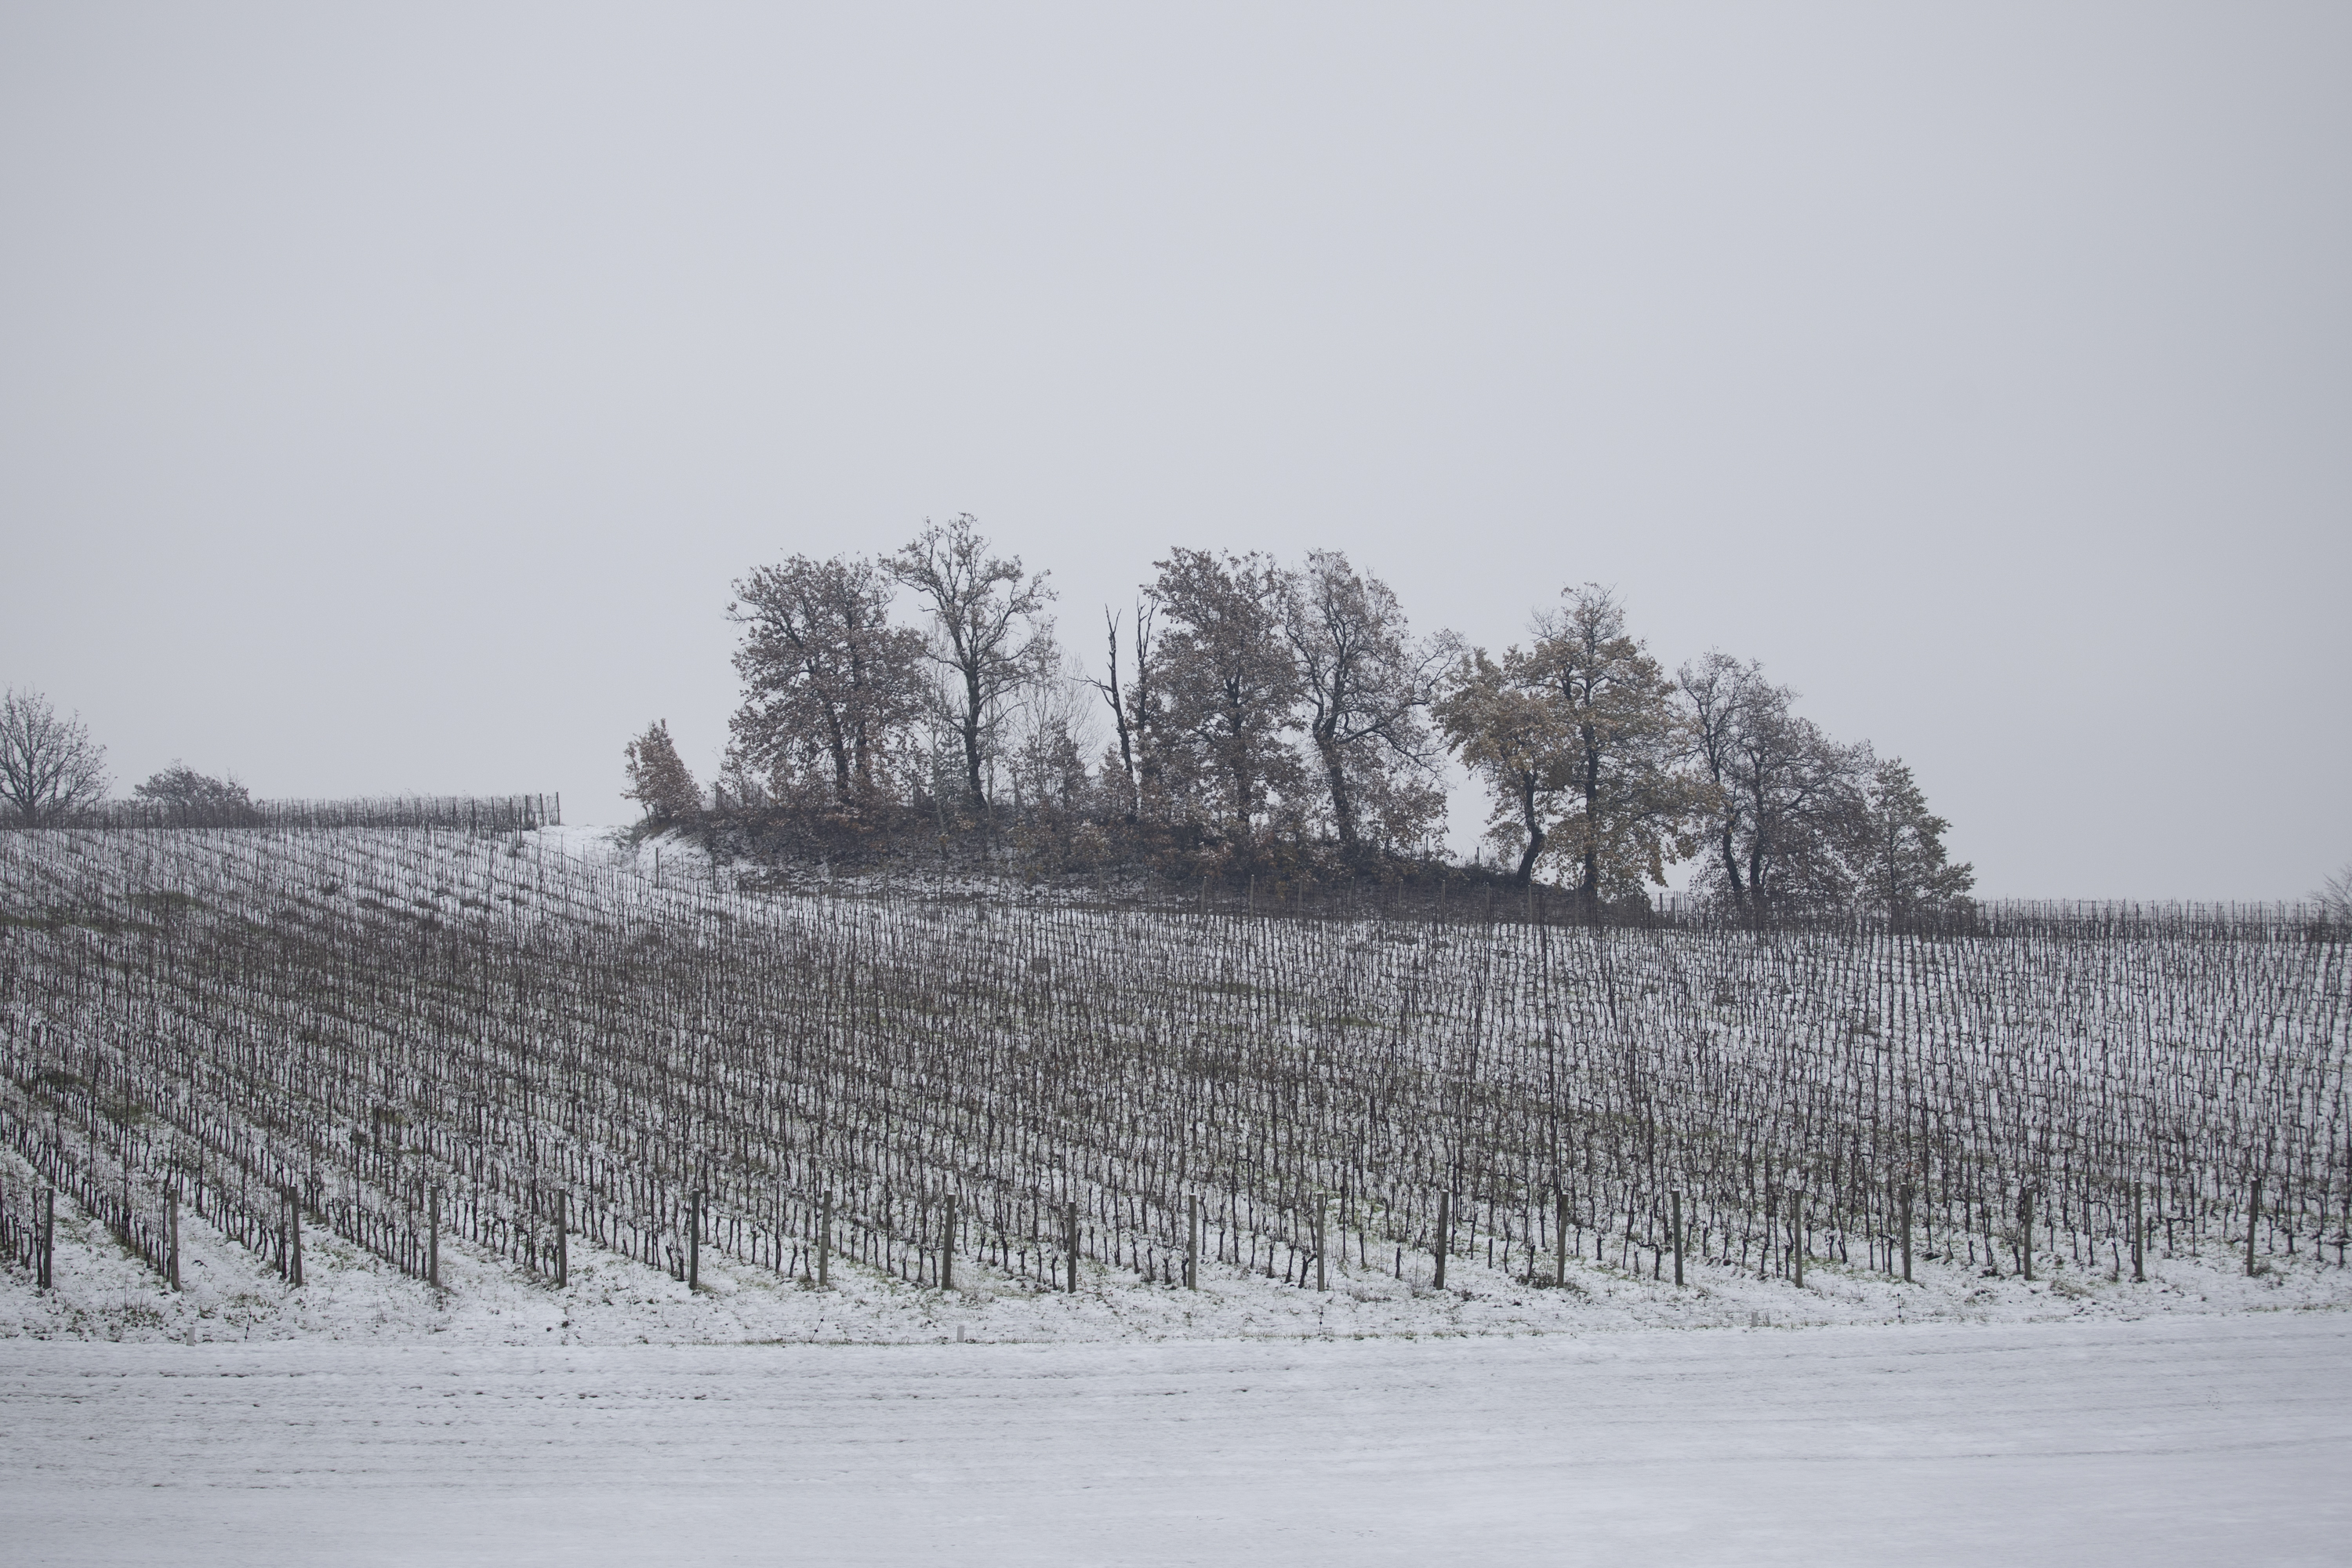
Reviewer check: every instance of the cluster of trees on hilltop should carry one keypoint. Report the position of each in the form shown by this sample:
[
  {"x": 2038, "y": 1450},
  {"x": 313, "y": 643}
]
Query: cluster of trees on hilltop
[{"x": 1253, "y": 716}]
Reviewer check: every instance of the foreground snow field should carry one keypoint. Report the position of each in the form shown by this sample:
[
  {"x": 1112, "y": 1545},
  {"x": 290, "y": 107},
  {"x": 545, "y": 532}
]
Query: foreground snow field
[{"x": 2190, "y": 1440}]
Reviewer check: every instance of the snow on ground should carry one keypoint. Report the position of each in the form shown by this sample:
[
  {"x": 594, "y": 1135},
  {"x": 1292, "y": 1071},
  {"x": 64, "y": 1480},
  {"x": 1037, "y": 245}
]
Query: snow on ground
[
  {"x": 2182, "y": 1440},
  {"x": 2202, "y": 1417}
]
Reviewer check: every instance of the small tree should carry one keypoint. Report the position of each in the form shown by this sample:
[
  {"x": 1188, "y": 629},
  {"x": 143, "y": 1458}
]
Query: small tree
[
  {"x": 49, "y": 767},
  {"x": 658, "y": 779},
  {"x": 2335, "y": 895},
  {"x": 1897, "y": 856},
  {"x": 192, "y": 799}
]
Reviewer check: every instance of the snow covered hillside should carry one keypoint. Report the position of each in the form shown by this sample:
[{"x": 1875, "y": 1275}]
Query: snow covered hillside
[{"x": 519, "y": 1063}]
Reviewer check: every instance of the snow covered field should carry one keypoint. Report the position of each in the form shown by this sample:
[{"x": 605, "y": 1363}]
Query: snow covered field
[
  {"x": 2202, "y": 1417},
  {"x": 2188, "y": 1441}
]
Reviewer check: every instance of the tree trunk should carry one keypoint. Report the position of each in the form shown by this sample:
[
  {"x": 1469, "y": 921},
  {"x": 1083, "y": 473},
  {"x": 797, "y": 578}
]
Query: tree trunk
[{"x": 1343, "y": 806}]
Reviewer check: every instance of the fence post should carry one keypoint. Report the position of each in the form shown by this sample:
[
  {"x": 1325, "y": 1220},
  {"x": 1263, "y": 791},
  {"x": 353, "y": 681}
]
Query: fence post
[
  {"x": 824, "y": 1242},
  {"x": 433, "y": 1237},
  {"x": 1796, "y": 1236},
  {"x": 172, "y": 1236},
  {"x": 2139, "y": 1237},
  {"x": 1676, "y": 1220},
  {"x": 2254, "y": 1223},
  {"x": 1322, "y": 1278},
  {"x": 2025, "y": 1220},
  {"x": 694, "y": 1240},
  {"x": 1073, "y": 1247},
  {"x": 1559, "y": 1205},
  {"x": 562, "y": 1238},
  {"x": 1907, "y": 1236},
  {"x": 294, "y": 1230},
  {"x": 49, "y": 1234},
  {"x": 1192, "y": 1244},
  {"x": 946, "y": 1245},
  {"x": 1445, "y": 1235}
]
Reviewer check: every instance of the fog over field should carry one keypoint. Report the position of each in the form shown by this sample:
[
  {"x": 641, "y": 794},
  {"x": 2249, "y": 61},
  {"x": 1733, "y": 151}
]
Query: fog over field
[
  {"x": 1044, "y": 784},
  {"x": 389, "y": 398}
]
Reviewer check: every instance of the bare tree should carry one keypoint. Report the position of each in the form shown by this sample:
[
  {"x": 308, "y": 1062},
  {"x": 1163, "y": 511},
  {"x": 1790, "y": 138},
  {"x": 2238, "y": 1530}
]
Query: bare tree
[
  {"x": 1051, "y": 732},
  {"x": 1225, "y": 691},
  {"x": 49, "y": 767},
  {"x": 1368, "y": 683},
  {"x": 989, "y": 637},
  {"x": 1782, "y": 790},
  {"x": 2335, "y": 895},
  {"x": 831, "y": 689},
  {"x": 1131, "y": 708}
]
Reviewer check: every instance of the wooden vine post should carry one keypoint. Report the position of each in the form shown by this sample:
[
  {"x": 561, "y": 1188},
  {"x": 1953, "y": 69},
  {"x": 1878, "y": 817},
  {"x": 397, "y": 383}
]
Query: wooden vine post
[
  {"x": 2139, "y": 1238},
  {"x": 694, "y": 1239},
  {"x": 433, "y": 1236},
  {"x": 2025, "y": 1228},
  {"x": 1560, "y": 1213},
  {"x": 1192, "y": 1244},
  {"x": 824, "y": 1242},
  {"x": 1674, "y": 1219},
  {"x": 1906, "y": 1234},
  {"x": 562, "y": 1238},
  {"x": 1796, "y": 1237},
  {"x": 49, "y": 1236},
  {"x": 294, "y": 1231},
  {"x": 1444, "y": 1232},
  {"x": 1072, "y": 1247},
  {"x": 2254, "y": 1223},
  {"x": 172, "y": 1236},
  {"x": 1322, "y": 1279},
  {"x": 946, "y": 1245}
]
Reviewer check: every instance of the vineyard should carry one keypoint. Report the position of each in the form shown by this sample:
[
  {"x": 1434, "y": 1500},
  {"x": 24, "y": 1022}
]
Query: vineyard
[{"x": 400, "y": 1035}]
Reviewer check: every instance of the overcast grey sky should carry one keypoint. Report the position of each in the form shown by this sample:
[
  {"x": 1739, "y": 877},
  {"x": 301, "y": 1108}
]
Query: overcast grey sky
[{"x": 388, "y": 398}]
